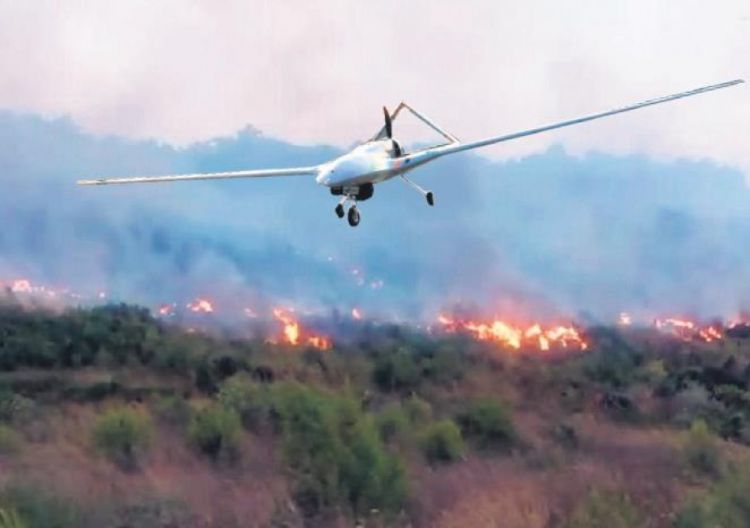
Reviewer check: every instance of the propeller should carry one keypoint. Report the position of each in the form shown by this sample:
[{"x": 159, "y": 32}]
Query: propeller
[
  {"x": 389, "y": 133},
  {"x": 388, "y": 123}
]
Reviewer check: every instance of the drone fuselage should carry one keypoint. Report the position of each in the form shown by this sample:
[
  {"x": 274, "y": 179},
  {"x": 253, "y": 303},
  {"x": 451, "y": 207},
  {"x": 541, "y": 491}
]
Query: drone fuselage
[{"x": 372, "y": 162}]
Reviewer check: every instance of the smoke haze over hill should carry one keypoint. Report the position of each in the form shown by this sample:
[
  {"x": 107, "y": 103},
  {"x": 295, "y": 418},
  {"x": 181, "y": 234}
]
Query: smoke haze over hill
[{"x": 550, "y": 232}]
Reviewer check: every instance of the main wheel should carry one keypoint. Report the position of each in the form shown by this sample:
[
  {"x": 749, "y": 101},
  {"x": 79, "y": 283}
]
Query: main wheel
[
  {"x": 353, "y": 216},
  {"x": 340, "y": 211}
]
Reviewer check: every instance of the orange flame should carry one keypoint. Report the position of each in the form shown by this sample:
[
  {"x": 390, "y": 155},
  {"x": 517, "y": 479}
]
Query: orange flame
[
  {"x": 201, "y": 306},
  {"x": 292, "y": 333},
  {"x": 21, "y": 286},
  {"x": 688, "y": 330},
  {"x": 515, "y": 336},
  {"x": 165, "y": 310}
]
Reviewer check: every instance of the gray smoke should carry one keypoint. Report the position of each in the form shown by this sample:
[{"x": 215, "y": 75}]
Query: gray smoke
[{"x": 549, "y": 233}]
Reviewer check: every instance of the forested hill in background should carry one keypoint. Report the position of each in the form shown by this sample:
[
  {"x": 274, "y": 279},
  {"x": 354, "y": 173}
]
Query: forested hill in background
[
  {"x": 596, "y": 234},
  {"x": 112, "y": 418}
]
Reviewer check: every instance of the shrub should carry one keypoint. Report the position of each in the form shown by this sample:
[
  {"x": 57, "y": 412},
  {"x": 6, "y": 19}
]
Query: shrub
[
  {"x": 173, "y": 410},
  {"x": 14, "y": 407},
  {"x": 397, "y": 371},
  {"x": 215, "y": 431},
  {"x": 248, "y": 399},
  {"x": 727, "y": 505},
  {"x": 10, "y": 441},
  {"x": 605, "y": 509},
  {"x": 152, "y": 511},
  {"x": 444, "y": 364},
  {"x": 392, "y": 423},
  {"x": 488, "y": 423},
  {"x": 566, "y": 436},
  {"x": 336, "y": 454},
  {"x": 10, "y": 519},
  {"x": 442, "y": 442},
  {"x": 122, "y": 433},
  {"x": 700, "y": 451},
  {"x": 37, "y": 508},
  {"x": 694, "y": 403},
  {"x": 418, "y": 411},
  {"x": 614, "y": 363}
]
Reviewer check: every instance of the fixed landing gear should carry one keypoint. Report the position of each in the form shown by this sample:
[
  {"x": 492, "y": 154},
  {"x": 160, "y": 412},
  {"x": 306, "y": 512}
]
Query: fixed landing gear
[
  {"x": 353, "y": 216},
  {"x": 424, "y": 192}
]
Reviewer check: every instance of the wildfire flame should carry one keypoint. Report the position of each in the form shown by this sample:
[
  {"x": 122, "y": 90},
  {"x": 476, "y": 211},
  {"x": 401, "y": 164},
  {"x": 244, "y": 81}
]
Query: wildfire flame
[
  {"x": 165, "y": 310},
  {"x": 516, "y": 336},
  {"x": 688, "y": 330},
  {"x": 292, "y": 332},
  {"x": 201, "y": 306}
]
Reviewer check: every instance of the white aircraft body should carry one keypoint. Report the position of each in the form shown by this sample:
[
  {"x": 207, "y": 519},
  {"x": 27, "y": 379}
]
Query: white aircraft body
[{"x": 353, "y": 175}]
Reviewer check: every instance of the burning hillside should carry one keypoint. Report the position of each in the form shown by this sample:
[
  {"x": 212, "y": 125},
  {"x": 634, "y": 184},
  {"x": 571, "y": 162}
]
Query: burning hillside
[
  {"x": 516, "y": 336},
  {"x": 289, "y": 326}
]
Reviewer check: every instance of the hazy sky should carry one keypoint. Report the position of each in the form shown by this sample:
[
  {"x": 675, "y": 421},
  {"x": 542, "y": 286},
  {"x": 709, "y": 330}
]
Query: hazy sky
[{"x": 318, "y": 72}]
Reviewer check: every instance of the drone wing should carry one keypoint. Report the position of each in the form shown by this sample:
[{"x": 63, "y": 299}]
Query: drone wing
[
  {"x": 299, "y": 171},
  {"x": 450, "y": 149}
]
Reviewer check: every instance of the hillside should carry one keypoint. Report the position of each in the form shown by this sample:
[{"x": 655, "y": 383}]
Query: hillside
[{"x": 112, "y": 418}]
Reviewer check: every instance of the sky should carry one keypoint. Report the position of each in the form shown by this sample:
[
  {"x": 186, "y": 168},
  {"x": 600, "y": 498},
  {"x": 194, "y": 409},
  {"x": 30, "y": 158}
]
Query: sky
[
  {"x": 647, "y": 212},
  {"x": 182, "y": 71}
]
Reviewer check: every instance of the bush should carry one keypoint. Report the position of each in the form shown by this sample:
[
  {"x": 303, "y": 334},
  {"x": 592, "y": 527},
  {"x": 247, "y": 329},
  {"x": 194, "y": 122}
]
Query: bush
[
  {"x": 173, "y": 410},
  {"x": 614, "y": 363},
  {"x": 442, "y": 442},
  {"x": 397, "y": 371},
  {"x": 122, "y": 433},
  {"x": 566, "y": 436},
  {"x": 248, "y": 399},
  {"x": 418, "y": 410},
  {"x": 392, "y": 423},
  {"x": 694, "y": 403},
  {"x": 726, "y": 506},
  {"x": 39, "y": 509},
  {"x": 700, "y": 451},
  {"x": 215, "y": 431},
  {"x": 10, "y": 441},
  {"x": 488, "y": 423},
  {"x": 14, "y": 407},
  {"x": 336, "y": 454},
  {"x": 152, "y": 511},
  {"x": 605, "y": 509},
  {"x": 10, "y": 519}
]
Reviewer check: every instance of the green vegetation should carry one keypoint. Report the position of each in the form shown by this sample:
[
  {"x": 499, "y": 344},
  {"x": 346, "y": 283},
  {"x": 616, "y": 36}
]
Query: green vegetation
[
  {"x": 488, "y": 423},
  {"x": 442, "y": 442},
  {"x": 246, "y": 398},
  {"x": 10, "y": 519},
  {"x": 605, "y": 509},
  {"x": 700, "y": 451},
  {"x": 122, "y": 433},
  {"x": 36, "y": 508},
  {"x": 391, "y": 428},
  {"x": 727, "y": 505},
  {"x": 10, "y": 441},
  {"x": 215, "y": 431},
  {"x": 336, "y": 453},
  {"x": 392, "y": 423}
]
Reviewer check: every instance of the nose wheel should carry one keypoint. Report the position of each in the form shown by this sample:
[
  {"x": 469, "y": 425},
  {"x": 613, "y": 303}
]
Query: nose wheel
[
  {"x": 353, "y": 216},
  {"x": 340, "y": 210}
]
